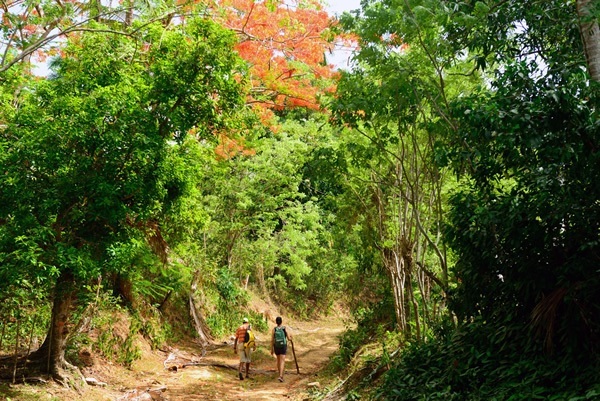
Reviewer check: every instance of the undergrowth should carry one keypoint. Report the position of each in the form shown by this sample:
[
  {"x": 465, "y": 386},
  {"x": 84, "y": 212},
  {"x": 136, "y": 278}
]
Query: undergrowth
[
  {"x": 485, "y": 362},
  {"x": 364, "y": 353},
  {"x": 114, "y": 330},
  {"x": 372, "y": 324},
  {"x": 474, "y": 362},
  {"x": 227, "y": 305}
]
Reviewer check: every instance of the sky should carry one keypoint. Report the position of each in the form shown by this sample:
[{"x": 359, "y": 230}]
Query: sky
[
  {"x": 339, "y": 6},
  {"x": 340, "y": 58},
  {"x": 335, "y": 7}
]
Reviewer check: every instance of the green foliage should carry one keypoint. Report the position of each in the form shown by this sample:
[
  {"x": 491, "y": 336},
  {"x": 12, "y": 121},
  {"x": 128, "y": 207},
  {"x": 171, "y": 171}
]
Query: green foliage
[
  {"x": 93, "y": 158},
  {"x": 228, "y": 317},
  {"x": 155, "y": 328},
  {"x": 23, "y": 316},
  {"x": 396, "y": 104},
  {"x": 222, "y": 324},
  {"x": 117, "y": 338},
  {"x": 129, "y": 351},
  {"x": 525, "y": 224},
  {"x": 28, "y": 327},
  {"x": 350, "y": 342},
  {"x": 229, "y": 291},
  {"x": 483, "y": 362},
  {"x": 372, "y": 322},
  {"x": 258, "y": 321},
  {"x": 119, "y": 127},
  {"x": 263, "y": 227},
  {"x": 500, "y": 88},
  {"x": 226, "y": 304}
]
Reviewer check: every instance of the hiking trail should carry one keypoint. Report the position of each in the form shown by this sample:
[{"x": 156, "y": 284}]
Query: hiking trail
[
  {"x": 216, "y": 376},
  {"x": 213, "y": 376}
]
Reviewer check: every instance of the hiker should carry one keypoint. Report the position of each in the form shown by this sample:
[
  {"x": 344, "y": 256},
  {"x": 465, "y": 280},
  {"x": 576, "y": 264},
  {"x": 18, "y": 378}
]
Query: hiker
[
  {"x": 244, "y": 344},
  {"x": 279, "y": 340}
]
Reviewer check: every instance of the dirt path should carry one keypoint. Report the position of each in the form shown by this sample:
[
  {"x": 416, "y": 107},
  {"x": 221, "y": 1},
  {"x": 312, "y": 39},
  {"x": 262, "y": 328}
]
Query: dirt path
[
  {"x": 314, "y": 343},
  {"x": 214, "y": 379}
]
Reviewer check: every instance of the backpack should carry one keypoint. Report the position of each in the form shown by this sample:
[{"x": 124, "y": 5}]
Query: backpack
[
  {"x": 280, "y": 337},
  {"x": 249, "y": 338}
]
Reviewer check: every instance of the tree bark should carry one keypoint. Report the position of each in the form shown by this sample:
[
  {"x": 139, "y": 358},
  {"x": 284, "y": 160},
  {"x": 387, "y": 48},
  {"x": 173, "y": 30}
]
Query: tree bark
[
  {"x": 395, "y": 269},
  {"x": 199, "y": 324},
  {"x": 590, "y": 35},
  {"x": 51, "y": 354},
  {"x": 260, "y": 274},
  {"x": 129, "y": 13}
]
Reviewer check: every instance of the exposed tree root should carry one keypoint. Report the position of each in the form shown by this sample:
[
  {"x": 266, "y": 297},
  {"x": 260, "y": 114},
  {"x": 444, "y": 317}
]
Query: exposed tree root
[{"x": 32, "y": 369}]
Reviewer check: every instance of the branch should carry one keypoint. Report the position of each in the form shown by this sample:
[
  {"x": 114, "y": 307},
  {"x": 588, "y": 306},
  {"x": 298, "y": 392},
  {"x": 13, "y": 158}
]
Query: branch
[
  {"x": 248, "y": 17},
  {"x": 46, "y": 38},
  {"x": 432, "y": 276}
]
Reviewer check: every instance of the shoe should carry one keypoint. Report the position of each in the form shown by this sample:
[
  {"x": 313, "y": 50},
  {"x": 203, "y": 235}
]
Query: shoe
[
  {"x": 241, "y": 377},
  {"x": 281, "y": 379}
]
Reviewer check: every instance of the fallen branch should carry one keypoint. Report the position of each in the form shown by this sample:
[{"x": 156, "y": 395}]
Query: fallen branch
[{"x": 211, "y": 364}]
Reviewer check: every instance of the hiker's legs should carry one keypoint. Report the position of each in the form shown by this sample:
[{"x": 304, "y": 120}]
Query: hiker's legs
[
  {"x": 243, "y": 359},
  {"x": 281, "y": 364},
  {"x": 278, "y": 366},
  {"x": 247, "y": 359}
]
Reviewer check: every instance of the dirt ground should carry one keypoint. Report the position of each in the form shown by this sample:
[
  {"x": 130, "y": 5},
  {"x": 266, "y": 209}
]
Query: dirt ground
[
  {"x": 313, "y": 342},
  {"x": 212, "y": 376}
]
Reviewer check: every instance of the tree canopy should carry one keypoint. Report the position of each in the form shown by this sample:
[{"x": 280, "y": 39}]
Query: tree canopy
[
  {"x": 84, "y": 155},
  {"x": 187, "y": 157}
]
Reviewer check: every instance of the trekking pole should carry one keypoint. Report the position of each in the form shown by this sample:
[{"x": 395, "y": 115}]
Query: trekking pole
[{"x": 295, "y": 359}]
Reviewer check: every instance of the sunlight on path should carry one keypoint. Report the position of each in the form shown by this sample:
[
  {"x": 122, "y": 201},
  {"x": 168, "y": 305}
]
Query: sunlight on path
[{"x": 314, "y": 342}]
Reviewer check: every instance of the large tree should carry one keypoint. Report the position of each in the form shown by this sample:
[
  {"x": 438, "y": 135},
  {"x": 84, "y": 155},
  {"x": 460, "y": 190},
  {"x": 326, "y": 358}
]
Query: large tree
[
  {"x": 588, "y": 13},
  {"x": 83, "y": 155},
  {"x": 284, "y": 42},
  {"x": 525, "y": 224},
  {"x": 396, "y": 101}
]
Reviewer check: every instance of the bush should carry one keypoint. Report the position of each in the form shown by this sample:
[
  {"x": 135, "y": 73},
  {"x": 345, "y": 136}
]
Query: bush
[
  {"x": 116, "y": 336},
  {"x": 482, "y": 362},
  {"x": 229, "y": 303},
  {"x": 371, "y": 324}
]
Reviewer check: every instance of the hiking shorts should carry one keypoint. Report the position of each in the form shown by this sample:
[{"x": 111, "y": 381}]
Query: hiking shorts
[
  {"x": 281, "y": 351},
  {"x": 244, "y": 353}
]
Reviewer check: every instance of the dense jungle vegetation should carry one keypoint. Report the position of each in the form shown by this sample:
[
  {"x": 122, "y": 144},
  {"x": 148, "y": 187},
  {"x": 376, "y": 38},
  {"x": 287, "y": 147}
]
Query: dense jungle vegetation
[{"x": 177, "y": 157}]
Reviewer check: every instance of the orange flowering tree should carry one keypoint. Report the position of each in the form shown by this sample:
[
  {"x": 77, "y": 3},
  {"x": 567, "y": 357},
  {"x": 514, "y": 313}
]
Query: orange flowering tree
[{"x": 284, "y": 43}]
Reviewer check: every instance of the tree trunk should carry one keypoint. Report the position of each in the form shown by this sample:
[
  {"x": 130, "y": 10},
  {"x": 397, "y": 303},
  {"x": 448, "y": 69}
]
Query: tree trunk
[
  {"x": 51, "y": 355},
  {"x": 129, "y": 13},
  {"x": 395, "y": 268},
  {"x": 590, "y": 35},
  {"x": 199, "y": 324},
  {"x": 260, "y": 274},
  {"x": 415, "y": 305}
]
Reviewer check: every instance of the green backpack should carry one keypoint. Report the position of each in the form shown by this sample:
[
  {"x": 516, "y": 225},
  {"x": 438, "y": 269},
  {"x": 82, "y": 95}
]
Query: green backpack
[{"x": 280, "y": 337}]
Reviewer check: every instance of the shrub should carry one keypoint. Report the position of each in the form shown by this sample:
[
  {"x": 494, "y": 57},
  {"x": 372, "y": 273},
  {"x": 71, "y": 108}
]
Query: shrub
[{"x": 484, "y": 362}]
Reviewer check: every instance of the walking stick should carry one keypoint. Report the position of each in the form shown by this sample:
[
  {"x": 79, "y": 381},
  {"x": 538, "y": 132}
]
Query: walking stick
[{"x": 295, "y": 359}]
